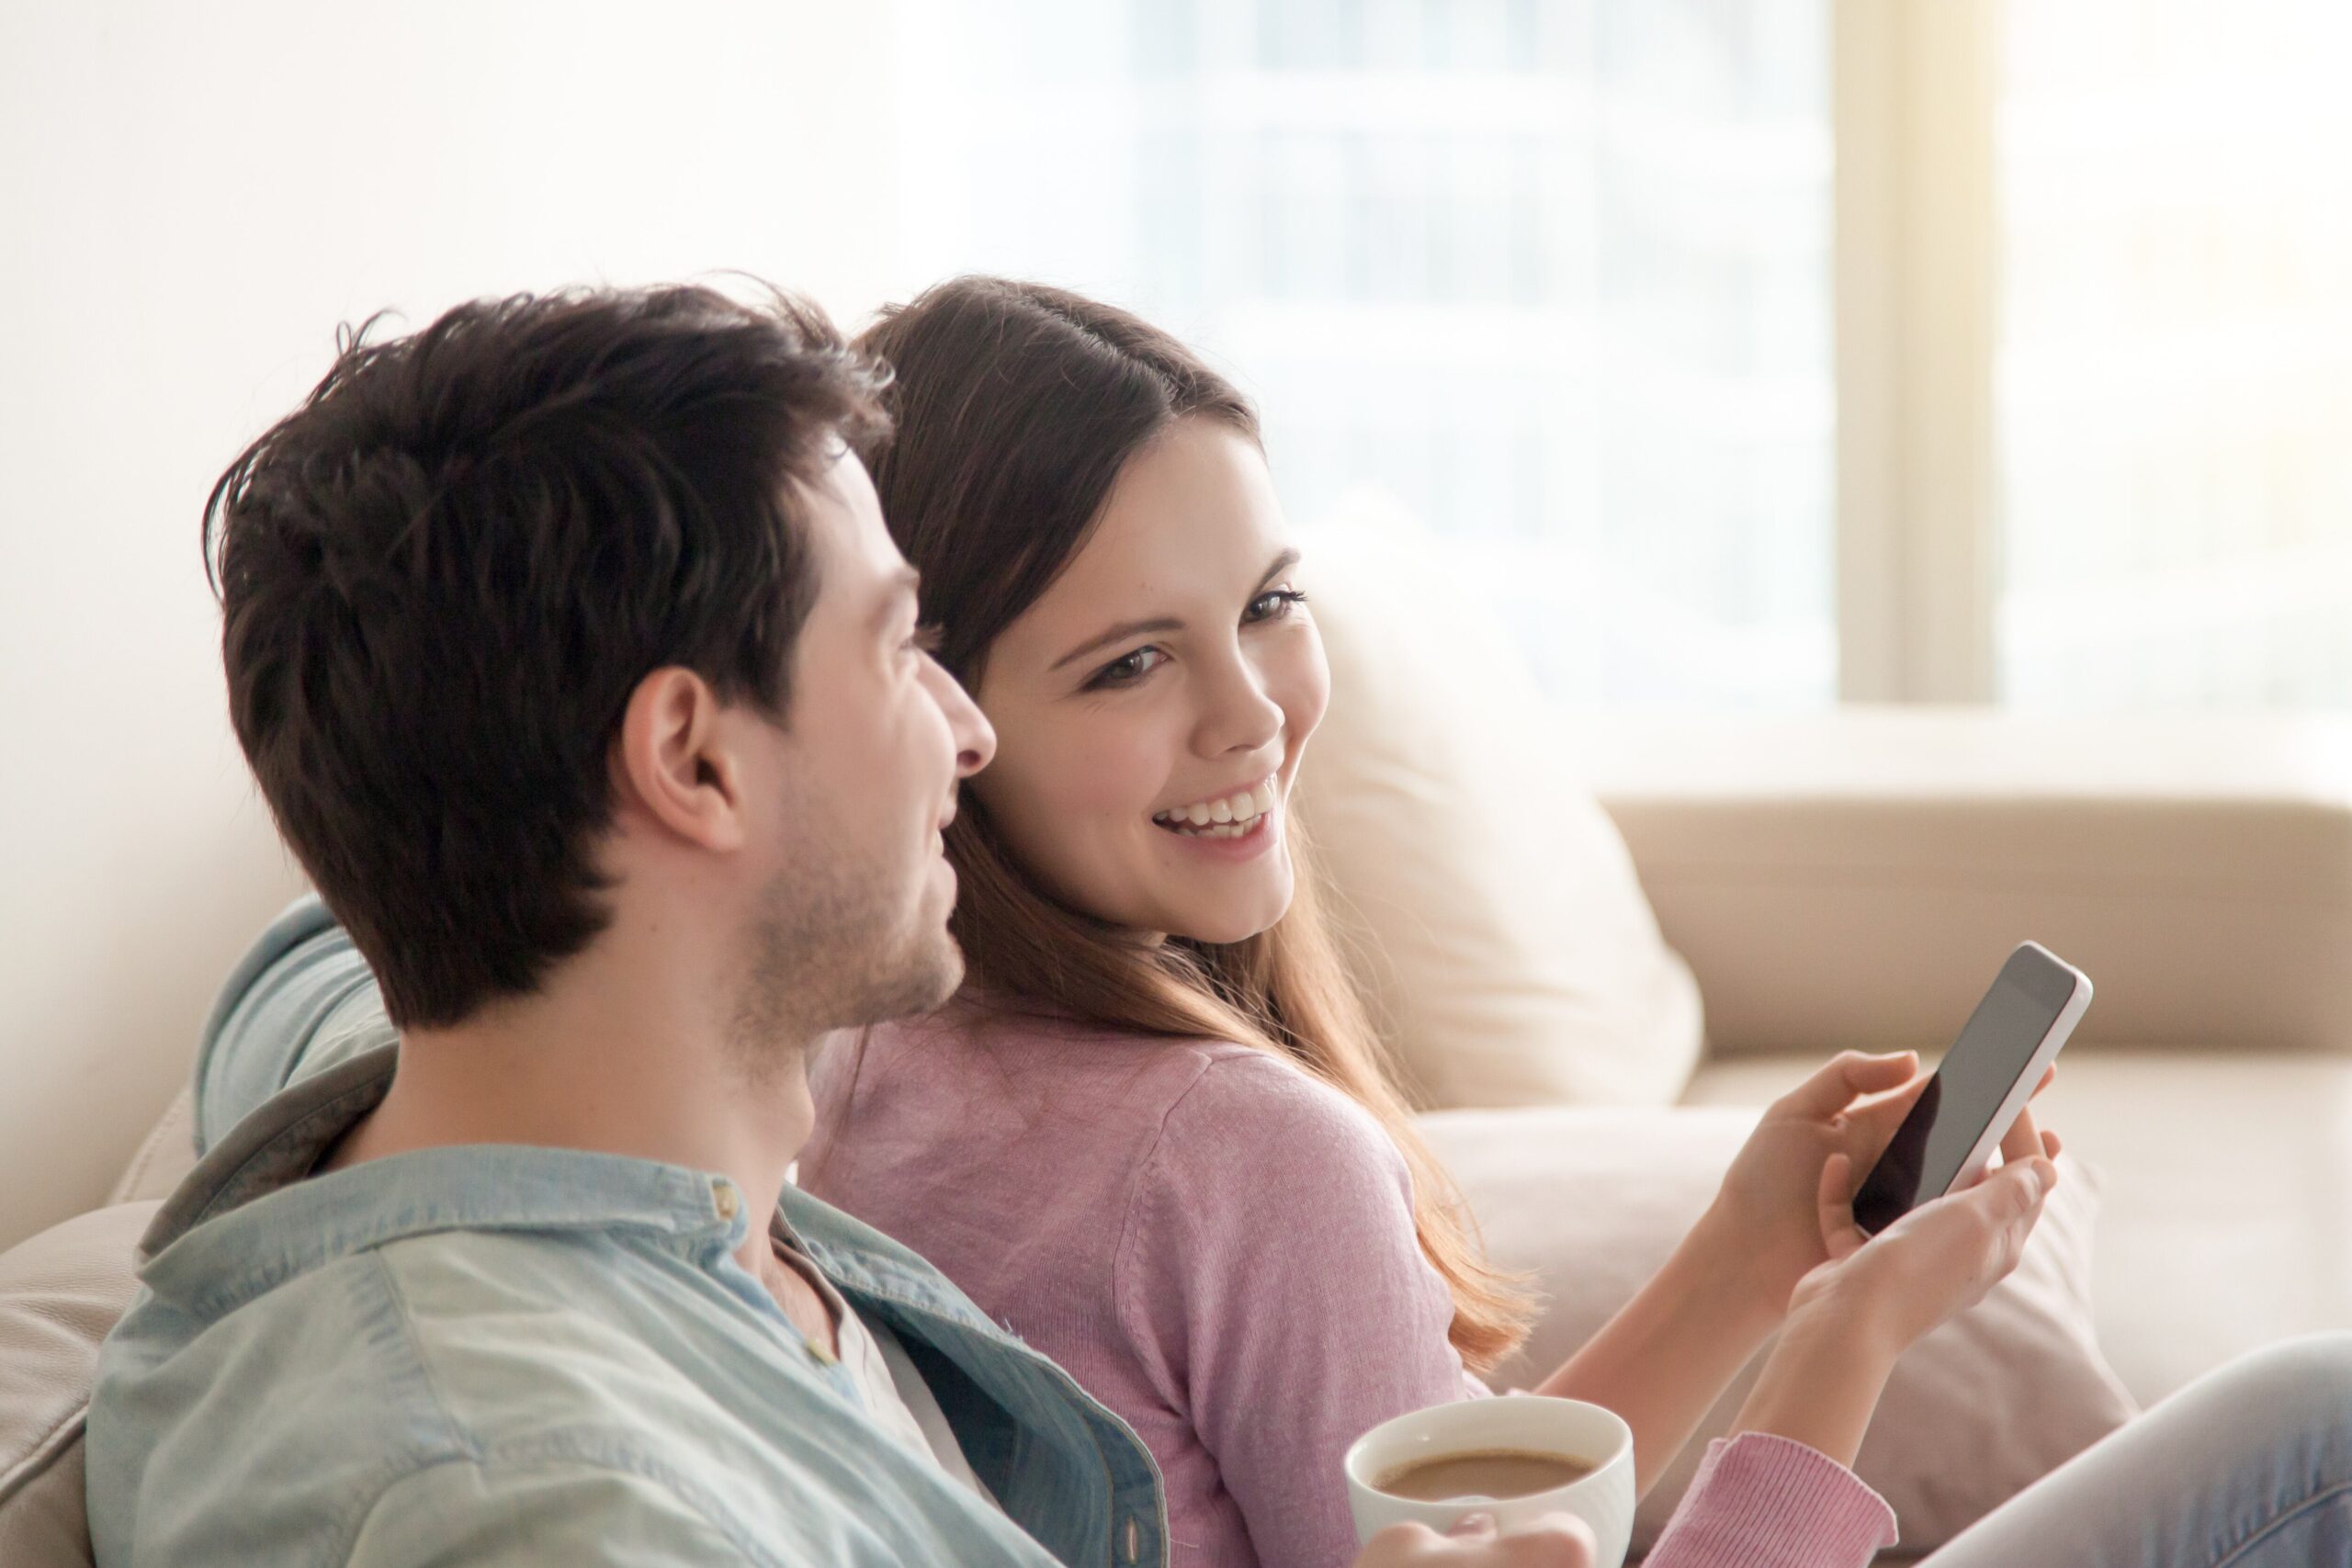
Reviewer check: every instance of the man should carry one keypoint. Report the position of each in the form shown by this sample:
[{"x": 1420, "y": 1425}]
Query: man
[{"x": 570, "y": 653}]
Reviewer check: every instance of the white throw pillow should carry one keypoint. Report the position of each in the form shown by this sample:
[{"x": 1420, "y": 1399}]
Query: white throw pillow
[
  {"x": 1590, "y": 1203},
  {"x": 1511, "y": 954}
]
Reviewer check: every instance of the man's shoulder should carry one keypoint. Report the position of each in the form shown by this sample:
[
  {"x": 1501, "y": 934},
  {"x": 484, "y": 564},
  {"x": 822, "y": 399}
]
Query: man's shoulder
[
  {"x": 292, "y": 1456},
  {"x": 403, "y": 1350},
  {"x": 518, "y": 1331},
  {"x": 302, "y": 1403},
  {"x": 396, "y": 1390}
]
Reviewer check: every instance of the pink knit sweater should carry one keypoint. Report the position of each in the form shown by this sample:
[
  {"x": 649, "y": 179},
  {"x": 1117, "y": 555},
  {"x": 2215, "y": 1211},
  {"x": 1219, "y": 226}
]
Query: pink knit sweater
[{"x": 1221, "y": 1250}]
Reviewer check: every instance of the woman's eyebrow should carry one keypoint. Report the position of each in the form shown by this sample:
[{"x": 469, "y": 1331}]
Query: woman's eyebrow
[
  {"x": 1125, "y": 629},
  {"x": 1119, "y": 633},
  {"x": 1282, "y": 563}
]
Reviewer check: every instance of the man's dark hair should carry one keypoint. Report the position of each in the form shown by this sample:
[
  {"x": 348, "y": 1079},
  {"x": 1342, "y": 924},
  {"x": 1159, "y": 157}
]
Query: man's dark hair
[{"x": 444, "y": 575}]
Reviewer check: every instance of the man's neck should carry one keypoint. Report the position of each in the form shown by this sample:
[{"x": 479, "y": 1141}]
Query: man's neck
[{"x": 615, "y": 1056}]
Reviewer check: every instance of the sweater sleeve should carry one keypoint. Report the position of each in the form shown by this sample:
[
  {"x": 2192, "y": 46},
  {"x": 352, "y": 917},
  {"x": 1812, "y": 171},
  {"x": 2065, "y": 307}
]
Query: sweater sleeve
[
  {"x": 1765, "y": 1502},
  {"x": 1272, "y": 1283}
]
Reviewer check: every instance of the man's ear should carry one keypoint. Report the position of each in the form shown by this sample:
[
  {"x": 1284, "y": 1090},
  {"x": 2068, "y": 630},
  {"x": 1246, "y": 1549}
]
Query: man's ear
[{"x": 674, "y": 760}]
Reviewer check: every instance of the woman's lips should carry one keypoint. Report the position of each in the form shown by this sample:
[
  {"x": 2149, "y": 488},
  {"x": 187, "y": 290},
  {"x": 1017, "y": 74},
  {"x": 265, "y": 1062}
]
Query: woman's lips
[
  {"x": 1226, "y": 815},
  {"x": 1231, "y": 842}
]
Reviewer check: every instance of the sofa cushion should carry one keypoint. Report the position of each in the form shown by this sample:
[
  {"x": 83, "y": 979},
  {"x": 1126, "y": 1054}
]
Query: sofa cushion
[
  {"x": 1511, "y": 952},
  {"x": 167, "y": 1153},
  {"x": 2227, "y": 1221},
  {"x": 59, "y": 1292},
  {"x": 1592, "y": 1202}
]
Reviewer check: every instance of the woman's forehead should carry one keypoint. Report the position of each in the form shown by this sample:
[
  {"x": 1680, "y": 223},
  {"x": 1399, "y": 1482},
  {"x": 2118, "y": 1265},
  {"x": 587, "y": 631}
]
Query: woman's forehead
[{"x": 1188, "y": 527}]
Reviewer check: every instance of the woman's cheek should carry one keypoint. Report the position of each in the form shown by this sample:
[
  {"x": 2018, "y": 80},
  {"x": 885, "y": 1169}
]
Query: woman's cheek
[
  {"x": 1084, "y": 799},
  {"x": 1025, "y": 789},
  {"x": 1305, "y": 689}
]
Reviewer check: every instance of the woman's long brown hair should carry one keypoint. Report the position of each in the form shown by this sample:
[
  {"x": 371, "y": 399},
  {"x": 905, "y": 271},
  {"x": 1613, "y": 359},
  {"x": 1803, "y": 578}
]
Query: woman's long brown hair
[{"x": 1014, "y": 407}]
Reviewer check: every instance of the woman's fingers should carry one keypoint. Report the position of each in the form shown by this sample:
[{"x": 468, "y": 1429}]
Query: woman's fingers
[
  {"x": 1553, "y": 1541},
  {"x": 1870, "y": 1127},
  {"x": 1846, "y": 1078},
  {"x": 1942, "y": 1256},
  {"x": 2015, "y": 1196},
  {"x": 1834, "y": 1203},
  {"x": 1892, "y": 1091},
  {"x": 2043, "y": 1176},
  {"x": 1550, "y": 1540},
  {"x": 2023, "y": 1140},
  {"x": 2011, "y": 1197}
]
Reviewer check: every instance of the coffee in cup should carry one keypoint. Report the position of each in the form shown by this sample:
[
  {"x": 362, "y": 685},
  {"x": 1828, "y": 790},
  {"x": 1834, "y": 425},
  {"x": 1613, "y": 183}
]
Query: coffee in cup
[
  {"x": 1518, "y": 1457},
  {"x": 1494, "y": 1474}
]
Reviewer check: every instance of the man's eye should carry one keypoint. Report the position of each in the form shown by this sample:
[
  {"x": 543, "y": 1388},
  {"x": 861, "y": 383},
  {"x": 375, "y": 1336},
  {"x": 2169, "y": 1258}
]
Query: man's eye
[{"x": 1126, "y": 671}]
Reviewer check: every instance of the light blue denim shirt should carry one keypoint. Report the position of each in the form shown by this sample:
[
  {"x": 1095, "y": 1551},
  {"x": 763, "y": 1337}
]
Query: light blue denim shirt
[{"x": 506, "y": 1355}]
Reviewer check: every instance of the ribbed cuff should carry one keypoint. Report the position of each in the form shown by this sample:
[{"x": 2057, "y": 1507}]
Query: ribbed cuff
[{"x": 1761, "y": 1501}]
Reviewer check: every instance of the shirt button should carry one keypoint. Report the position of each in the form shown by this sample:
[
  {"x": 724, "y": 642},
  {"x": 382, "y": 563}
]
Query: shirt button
[
  {"x": 722, "y": 1195},
  {"x": 1135, "y": 1538}
]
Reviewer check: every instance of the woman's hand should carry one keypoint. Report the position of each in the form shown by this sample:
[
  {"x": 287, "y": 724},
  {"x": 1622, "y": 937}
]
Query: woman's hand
[
  {"x": 1765, "y": 1228},
  {"x": 1667, "y": 1356},
  {"x": 1944, "y": 1255},
  {"x": 1873, "y": 1297}
]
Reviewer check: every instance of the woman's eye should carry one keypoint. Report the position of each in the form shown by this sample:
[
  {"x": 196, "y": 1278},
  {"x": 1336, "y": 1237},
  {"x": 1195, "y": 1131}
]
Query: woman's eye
[
  {"x": 1127, "y": 670},
  {"x": 1273, "y": 605}
]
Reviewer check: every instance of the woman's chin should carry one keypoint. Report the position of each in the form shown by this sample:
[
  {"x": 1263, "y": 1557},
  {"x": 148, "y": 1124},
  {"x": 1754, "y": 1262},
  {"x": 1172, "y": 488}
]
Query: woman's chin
[{"x": 1229, "y": 921}]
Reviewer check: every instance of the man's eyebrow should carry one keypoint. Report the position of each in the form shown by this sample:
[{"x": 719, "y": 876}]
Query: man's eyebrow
[
  {"x": 1125, "y": 629},
  {"x": 903, "y": 581}
]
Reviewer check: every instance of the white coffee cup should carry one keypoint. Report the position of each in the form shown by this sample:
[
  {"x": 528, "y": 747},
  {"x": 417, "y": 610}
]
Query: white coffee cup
[{"x": 1522, "y": 1423}]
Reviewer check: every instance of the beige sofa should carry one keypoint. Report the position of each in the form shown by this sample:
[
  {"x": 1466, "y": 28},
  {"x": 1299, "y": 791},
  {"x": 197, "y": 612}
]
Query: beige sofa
[{"x": 1852, "y": 880}]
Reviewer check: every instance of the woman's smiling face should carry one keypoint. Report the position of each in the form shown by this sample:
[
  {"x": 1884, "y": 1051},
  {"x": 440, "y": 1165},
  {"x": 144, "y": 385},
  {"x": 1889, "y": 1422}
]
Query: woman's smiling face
[{"x": 1151, "y": 706}]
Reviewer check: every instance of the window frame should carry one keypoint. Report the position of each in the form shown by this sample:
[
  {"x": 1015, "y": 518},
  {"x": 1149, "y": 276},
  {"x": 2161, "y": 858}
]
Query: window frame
[{"x": 1914, "y": 282}]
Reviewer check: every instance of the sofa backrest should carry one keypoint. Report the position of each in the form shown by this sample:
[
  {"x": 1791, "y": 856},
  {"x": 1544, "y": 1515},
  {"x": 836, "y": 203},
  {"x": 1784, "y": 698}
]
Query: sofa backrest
[{"x": 59, "y": 1292}]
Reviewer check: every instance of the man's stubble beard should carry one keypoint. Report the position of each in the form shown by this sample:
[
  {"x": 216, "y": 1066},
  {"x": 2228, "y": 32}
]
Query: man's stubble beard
[{"x": 826, "y": 951}]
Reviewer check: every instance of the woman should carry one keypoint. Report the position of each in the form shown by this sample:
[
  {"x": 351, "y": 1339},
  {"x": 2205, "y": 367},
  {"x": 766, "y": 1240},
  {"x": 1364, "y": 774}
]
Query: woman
[{"x": 1154, "y": 1135}]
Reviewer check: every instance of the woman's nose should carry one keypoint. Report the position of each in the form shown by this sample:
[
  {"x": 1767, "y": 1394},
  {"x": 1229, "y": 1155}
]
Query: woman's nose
[
  {"x": 1242, "y": 714},
  {"x": 974, "y": 736}
]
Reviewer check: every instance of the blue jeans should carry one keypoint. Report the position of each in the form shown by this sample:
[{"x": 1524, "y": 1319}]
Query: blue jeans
[{"x": 2249, "y": 1467}]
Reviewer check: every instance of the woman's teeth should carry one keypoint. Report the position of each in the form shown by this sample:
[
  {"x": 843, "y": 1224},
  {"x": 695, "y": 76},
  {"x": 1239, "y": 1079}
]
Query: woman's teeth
[{"x": 1230, "y": 817}]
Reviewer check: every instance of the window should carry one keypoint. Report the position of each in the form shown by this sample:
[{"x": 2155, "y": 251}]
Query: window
[
  {"x": 2175, "y": 375},
  {"x": 1556, "y": 276}
]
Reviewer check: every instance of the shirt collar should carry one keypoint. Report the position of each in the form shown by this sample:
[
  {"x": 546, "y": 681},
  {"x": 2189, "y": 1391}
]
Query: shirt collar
[{"x": 249, "y": 1215}]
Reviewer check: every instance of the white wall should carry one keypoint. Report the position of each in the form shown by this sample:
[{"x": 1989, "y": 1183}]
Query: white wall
[{"x": 191, "y": 197}]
